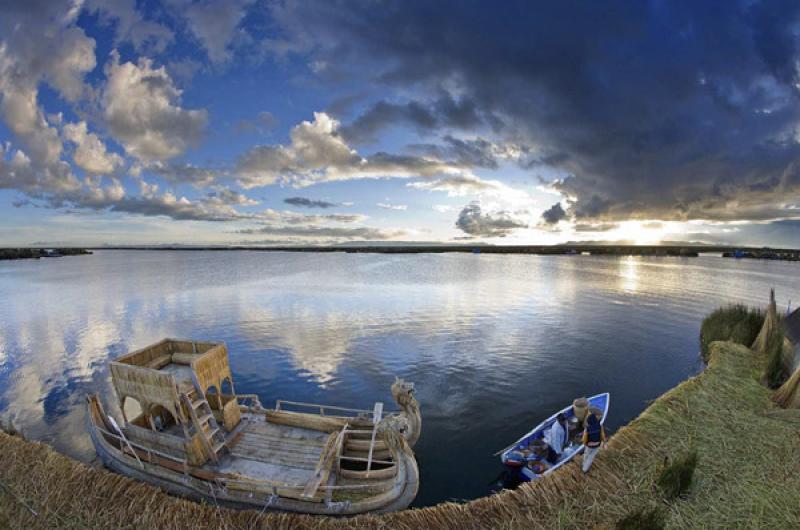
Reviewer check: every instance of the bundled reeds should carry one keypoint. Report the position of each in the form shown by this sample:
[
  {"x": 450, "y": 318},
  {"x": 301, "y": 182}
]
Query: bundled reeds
[
  {"x": 779, "y": 358},
  {"x": 768, "y": 329},
  {"x": 788, "y": 395}
]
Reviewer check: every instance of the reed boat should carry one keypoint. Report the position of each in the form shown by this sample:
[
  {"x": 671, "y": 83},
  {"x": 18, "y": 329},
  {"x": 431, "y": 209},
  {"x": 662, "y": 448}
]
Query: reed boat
[
  {"x": 196, "y": 437},
  {"x": 526, "y": 454}
]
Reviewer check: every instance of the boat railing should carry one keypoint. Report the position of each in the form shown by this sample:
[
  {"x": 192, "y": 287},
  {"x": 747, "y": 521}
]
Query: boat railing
[
  {"x": 147, "y": 450},
  {"x": 268, "y": 484},
  {"x": 281, "y": 404},
  {"x": 362, "y": 459}
]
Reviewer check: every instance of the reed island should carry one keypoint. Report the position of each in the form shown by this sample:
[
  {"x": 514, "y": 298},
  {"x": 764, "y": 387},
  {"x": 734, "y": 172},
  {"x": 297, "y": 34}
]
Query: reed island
[
  {"x": 36, "y": 253},
  {"x": 719, "y": 450}
]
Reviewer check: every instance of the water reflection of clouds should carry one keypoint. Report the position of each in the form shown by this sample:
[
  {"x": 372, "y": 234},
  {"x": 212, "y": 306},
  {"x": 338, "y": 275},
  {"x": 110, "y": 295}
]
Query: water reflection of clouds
[
  {"x": 317, "y": 328},
  {"x": 317, "y": 342},
  {"x": 445, "y": 320}
]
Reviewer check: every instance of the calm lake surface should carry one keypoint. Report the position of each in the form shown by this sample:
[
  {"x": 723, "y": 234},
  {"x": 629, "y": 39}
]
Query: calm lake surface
[{"x": 495, "y": 343}]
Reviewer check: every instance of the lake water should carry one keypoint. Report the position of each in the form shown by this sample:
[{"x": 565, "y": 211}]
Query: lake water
[{"x": 495, "y": 343}]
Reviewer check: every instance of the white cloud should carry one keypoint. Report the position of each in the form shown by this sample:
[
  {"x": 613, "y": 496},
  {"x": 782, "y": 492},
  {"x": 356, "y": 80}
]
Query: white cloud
[
  {"x": 318, "y": 154},
  {"x": 141, "y": 108},
  {"x": 17, "y": 171},
  {"x": 392, "y": 206},
  {"x": 223, "y": 195},
  {"x": 327, "y": 232},
  {"x": 476, "y": 222},
  {"x": 40, "y": 44},
  {"x": 294, "y": 218},
  {"x": 461, "y": 185},
  {"x": 25, "y": 118},
  {"x": 91, "y": 154},
  {"x": 443, "y": 208}
]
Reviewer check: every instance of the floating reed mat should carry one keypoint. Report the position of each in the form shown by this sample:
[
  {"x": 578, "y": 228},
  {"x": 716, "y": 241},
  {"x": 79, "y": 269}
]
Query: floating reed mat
[{"x": 747, "y": 475}]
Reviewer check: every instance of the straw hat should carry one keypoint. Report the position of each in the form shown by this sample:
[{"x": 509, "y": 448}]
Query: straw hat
[{"x": 580, "y": 407}]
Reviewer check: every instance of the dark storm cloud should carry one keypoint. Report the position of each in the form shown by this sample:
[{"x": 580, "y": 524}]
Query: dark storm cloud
[
  {"x": 467, "y": 153},
  {"x": 656, "y": 110},
  {"x": 309, "y": 203},
  {"x": 444, "y": 112},
  {"x": 554, "y": 214}
]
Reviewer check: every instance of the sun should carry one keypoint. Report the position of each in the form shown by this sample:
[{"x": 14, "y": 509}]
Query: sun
[{"x": 639, "y": 232}]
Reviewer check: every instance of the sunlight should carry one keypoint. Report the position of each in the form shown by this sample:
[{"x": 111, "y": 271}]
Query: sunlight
[
  {"x": 629, "y": 273},
  {"x": 639, "y": 232}
]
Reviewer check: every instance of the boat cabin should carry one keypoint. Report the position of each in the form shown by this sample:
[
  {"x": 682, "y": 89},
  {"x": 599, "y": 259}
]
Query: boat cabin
[{"x": 185, "y": 392}]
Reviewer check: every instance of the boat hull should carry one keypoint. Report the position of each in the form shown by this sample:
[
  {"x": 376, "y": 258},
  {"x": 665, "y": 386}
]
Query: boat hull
[
  {"x": 599, "y": 402},
  {"x": 399, "y": 494}
]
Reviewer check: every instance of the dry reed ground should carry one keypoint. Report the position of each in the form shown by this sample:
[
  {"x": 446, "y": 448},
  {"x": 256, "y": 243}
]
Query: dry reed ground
[{"x": 748, "y": 475}]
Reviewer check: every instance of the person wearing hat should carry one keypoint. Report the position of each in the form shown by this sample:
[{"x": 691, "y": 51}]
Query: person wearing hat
[
  {"x": 556, "y": 439},
  {"x": 594, "y": 436}
]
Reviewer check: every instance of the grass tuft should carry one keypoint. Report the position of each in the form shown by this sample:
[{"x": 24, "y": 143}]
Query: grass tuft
[
  {"x": 643, "y": 519},
  {"x": 676, "y": 478},
  {"x": 736, "y": 323}
]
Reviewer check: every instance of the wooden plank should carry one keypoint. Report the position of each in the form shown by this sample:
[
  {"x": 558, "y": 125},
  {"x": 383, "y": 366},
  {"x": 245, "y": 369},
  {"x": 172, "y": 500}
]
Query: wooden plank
[
  {"x": 276, "y": 458},
  {"x": 160, "y": 362},
  {"x": 326, "y": 461},
  {"x": 307, "y": 421},
  {"x": 276, "y": 438},
  {"x": 264, "y": 452}
]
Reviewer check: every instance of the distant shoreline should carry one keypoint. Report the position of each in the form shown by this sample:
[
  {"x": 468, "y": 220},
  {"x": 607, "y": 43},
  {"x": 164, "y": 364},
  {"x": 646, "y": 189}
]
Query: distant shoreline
[
  {"x": 36, "y": 253},
  {"x": 687, "y": 251}
]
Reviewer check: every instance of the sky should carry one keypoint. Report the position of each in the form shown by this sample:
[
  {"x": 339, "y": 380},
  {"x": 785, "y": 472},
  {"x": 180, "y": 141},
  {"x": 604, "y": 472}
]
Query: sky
[{"x": 236, "y": 122}]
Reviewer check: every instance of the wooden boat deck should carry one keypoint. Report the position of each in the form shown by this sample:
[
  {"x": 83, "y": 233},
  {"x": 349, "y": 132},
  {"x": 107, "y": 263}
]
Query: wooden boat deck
[{"x": 268, "y": 451}]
